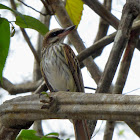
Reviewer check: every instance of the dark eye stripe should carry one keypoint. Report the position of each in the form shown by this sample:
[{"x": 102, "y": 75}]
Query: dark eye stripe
[{"x": 53, "y": 34}]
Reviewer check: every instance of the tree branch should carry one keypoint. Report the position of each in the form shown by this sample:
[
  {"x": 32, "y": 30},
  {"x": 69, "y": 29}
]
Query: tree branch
[
  {"x": 70, "y": 105},
  {"x": 26, "y": 37},
  {"x": 122, "y": 76},
  {"x": 20, "y": 112},
  {"x": 103, "y": 27},
  {"x": 44, "y": 14},
  {"x": 102, "y": 12},
  {"x": 130, "y": 11},
  {"x": 14, "y": 89},
  {"x": 135, "y": 126},
  {"x": 100, "y": 44},
  {"x": 8, "y": 133},
  {"x": 109, "y": 129}
]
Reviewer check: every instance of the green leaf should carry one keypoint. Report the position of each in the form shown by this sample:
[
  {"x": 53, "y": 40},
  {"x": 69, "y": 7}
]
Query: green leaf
[
  {"x": 5, "y": 7},
  {"x": 28, "y": 135},
  {"x": 74, "y": 9},
  {"x": 14, "y": 11},
  {"x": 32, "y": 23},
  {"x": 4, "y": 42},
  {"x": 31, "y": 135},
  {"x": 27, "y": 21}
]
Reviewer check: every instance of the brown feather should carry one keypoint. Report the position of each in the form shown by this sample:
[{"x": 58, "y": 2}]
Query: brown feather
[{"x": 74, "y": 67}]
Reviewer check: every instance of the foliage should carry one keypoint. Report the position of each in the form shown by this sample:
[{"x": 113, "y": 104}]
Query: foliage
[
  {"x": 22, "y": 21},
  {"x": 4, "y": 42},
  {"x": 32, "y": 23},
  {"x": 74, "y": 9},
  {"x": 31, "y": 135},
  {"x": 27, "y": 21}
]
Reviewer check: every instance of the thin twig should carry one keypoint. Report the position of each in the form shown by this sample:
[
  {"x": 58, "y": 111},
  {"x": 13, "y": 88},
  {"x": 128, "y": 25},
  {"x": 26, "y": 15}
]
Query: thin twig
[
  {"x": 32, "y": 8},
  {"x": 26, "y": 36}
]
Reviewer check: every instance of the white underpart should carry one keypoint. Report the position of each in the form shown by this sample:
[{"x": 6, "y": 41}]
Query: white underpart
[{"x": 58, "y": 74}]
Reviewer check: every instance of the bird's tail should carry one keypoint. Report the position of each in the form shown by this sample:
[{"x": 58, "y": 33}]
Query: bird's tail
[{"x": 81, "y": 130}]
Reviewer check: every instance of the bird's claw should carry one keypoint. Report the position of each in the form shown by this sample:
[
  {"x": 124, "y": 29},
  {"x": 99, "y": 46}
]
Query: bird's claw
[{"x": 48, "y": 102}]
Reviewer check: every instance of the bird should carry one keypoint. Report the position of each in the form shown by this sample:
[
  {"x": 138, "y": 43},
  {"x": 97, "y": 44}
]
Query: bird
[{"x": 61, "y": 70}]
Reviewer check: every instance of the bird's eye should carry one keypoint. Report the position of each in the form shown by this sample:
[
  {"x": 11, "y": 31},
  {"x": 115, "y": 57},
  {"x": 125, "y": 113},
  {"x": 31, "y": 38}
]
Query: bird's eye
[{"x": 56, "y": 33}]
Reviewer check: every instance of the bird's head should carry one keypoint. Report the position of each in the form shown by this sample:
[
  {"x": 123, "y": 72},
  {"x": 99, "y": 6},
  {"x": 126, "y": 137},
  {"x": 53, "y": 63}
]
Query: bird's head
[{"x": 56, "y": 36}]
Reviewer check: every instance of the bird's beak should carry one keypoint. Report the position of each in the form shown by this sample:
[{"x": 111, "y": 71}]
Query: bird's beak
[{"x": 66, "y": 31}]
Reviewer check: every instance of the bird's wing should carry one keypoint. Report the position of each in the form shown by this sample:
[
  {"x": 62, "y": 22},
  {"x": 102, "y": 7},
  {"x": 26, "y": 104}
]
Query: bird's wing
[
  {"x": 74, "y": 67},
  {"x": 46, "y": 81}
]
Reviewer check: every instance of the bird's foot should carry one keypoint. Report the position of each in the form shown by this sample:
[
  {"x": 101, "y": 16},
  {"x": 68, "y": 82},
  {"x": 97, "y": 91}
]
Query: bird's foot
[{"x": 47, "y": 101}]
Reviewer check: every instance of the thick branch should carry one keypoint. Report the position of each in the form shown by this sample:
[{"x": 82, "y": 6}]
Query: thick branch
[
  {"x": 121, "y": 79},
  {"x": 100, "y": 44},
  {"x": 14, "y": 89},
  {"x": 124, "y": 69},
  {"x": 130, "y": 11},
  {"x": 8, "y": 133},
  {"x": 109, "y": 129},
  {"x": 102, "y": 12},
  {"x": 135, "y": 126},
  {"x": 126, "y": 62},
  {"x": 70, "y": 106}
]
